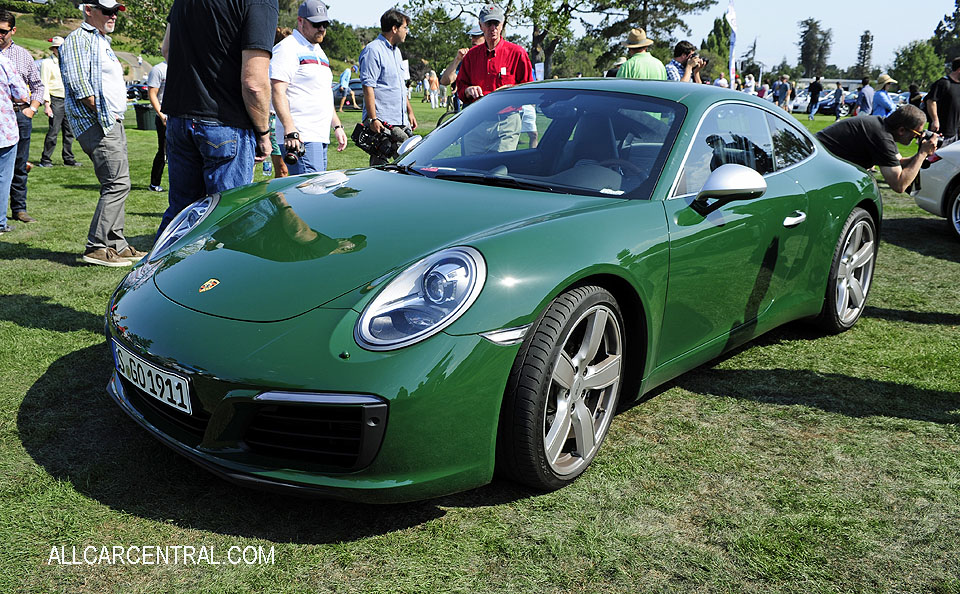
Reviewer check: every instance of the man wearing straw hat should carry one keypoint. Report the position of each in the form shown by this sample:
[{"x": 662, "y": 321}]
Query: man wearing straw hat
[{"x": 641, "y": 63}]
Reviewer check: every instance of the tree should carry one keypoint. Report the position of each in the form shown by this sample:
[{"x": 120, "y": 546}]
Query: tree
[
  {"x": 435, "y": 36},
  {"x": 814, "y": 47},
  {"x": 145, "y": 22},
  {"x": 864, "y": 55},
  {"x": 342, "y": 42},
  {"x": 917, "y": 62},
  {"x": 579, "y": 57},
  {"x": 717, "y": 44},
  {"x": 823, "y": 52},
  {"x": 946, "y": 37}
]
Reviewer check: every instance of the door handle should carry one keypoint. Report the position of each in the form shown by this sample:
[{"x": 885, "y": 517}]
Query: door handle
[{"x": 795, "y": 220}]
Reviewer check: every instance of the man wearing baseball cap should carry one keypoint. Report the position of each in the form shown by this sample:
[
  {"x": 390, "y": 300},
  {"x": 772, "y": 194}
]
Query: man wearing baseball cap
[
  {"x": 493, "y": 64},
  {"x": 53, "y": 106},
  {"x": 641, "y": 64},
  {"x": 301, "y": 80},
  {"x": 96, "y": 101}
]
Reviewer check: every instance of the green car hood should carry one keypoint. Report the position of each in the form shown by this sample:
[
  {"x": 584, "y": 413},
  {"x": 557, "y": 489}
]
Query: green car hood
[{"x": 293, "y": 250}]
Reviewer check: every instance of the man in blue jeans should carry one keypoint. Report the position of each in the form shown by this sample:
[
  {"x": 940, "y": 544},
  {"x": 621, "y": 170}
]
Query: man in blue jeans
[{"x": 217, "y": 99}]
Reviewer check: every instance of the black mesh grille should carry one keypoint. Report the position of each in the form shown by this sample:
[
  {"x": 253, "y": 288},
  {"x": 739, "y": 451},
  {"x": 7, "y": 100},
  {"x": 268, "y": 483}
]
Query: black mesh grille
[
  {"x": 342, "y": 436},
  {"x": 163, "y": 416}
]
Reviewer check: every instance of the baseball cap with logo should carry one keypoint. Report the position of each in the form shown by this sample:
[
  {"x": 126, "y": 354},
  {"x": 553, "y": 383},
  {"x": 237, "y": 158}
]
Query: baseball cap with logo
[
  {"x": 314, "y": 11},
  {"x": 107, "y": 4},
  {"x": 56, "y": 41},
  {"x": 491, "y": 12}
]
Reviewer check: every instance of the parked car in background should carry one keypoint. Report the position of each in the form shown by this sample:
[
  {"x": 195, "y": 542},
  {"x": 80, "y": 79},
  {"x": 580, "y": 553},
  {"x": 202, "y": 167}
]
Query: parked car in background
[
  {"x": 137, "y": 91},
  {"x": 937, "y": 189},
  {"x": 357, "y": 88},
  {"x": 401, "y": 332},
  {"x": 828, "y": 105}
]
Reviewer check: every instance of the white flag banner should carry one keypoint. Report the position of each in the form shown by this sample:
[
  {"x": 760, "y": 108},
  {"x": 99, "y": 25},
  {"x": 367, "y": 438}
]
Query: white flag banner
[{"x": 731, "y": 16}]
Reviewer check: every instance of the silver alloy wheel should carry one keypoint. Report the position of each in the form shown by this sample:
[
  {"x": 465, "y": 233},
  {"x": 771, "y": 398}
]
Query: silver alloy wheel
[
  {"x": 954, "y": 216},
  {"x": 855, "y": 272},
  {"x": 583, "y": 388}
]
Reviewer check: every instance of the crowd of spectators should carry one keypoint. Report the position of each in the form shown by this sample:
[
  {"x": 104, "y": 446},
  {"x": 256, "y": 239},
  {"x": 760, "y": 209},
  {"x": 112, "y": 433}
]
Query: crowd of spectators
[{"x": 260, "y": 91}]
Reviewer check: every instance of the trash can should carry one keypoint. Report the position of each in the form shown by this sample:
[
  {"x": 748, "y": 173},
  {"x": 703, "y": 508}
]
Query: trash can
[{"x": 145, "y": 116}]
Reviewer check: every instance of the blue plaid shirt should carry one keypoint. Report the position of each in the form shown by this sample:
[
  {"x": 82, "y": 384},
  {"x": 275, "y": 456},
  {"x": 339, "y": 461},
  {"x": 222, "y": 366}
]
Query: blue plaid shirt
[
  {"x": 675, "y": 70},
  {"x": 80, "y": 66}
]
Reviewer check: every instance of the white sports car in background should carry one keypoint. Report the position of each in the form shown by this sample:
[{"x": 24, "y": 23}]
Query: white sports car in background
[{"x": 937, "y": 188}]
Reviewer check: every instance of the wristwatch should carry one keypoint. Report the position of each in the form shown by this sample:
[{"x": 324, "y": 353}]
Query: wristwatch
[{"x": 293, "y": 135}]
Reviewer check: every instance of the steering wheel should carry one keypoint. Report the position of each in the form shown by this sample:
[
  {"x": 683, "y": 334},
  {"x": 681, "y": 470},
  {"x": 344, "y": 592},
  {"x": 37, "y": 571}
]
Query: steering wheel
[{"x": 623, "y": 164}]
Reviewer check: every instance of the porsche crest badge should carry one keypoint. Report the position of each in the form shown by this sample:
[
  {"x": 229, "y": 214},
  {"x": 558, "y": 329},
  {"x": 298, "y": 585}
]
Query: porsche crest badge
[{"x": 209, "y": 285}]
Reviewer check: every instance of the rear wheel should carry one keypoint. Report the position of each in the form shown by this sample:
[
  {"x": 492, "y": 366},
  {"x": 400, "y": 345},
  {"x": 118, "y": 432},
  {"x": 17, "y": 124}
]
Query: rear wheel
[
  {"x": 844, "y": 109},
  {"x": 563, "y": 390},
  {"x": 952, "y": 210},
  {"x": 851, "y": 273}
]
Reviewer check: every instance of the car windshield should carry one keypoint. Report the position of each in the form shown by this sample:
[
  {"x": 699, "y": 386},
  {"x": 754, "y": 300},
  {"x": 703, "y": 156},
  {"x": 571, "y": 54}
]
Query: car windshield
[{"x": 555, "y": 140}]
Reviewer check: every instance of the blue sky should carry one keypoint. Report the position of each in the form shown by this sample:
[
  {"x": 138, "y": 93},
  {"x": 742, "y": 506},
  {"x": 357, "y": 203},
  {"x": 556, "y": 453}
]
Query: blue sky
[{"x": 894, "y": 23}]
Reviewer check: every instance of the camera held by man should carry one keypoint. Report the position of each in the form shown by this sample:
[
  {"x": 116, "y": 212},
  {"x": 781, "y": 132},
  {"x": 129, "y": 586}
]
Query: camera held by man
[{"x": 385, "y": 144}]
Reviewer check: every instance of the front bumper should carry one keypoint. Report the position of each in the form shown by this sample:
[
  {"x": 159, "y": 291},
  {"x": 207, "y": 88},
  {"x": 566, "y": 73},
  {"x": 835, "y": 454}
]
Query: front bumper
[{"x": 436, "y": 404}]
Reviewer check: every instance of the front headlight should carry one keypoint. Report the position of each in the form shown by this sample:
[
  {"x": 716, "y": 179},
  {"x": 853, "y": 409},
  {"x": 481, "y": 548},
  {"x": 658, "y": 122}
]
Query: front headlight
[
  {"x": 188, "y": 218},
  {"x": 423, "y": 300}
]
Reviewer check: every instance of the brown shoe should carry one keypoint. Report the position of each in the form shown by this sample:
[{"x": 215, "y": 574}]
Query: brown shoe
[
  {"x": 23, "y": 217},
  {"x": 105, "y": 257},
  {"x": 131, "y": 253}
]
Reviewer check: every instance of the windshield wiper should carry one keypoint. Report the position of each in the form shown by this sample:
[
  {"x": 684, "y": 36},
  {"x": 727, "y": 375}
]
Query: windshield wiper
[
  {"x": 499, "y": 181},
  {"x": 405, "y": 169}
]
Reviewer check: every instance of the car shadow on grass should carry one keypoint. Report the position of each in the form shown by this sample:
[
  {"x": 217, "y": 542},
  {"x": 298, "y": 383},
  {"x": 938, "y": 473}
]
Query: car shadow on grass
[
  {"x": 830, "y": 392},
  {"x": 36, "y": 311},
  {"x": 70, "y": 426},
  {"x": 913, "y": 317},
  {"x": 24, "y": 251},
  {"x": 924, "y": 235}
]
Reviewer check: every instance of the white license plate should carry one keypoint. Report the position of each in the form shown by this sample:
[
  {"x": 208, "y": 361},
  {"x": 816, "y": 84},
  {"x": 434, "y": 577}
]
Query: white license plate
[{"x": 168, "y": 388}]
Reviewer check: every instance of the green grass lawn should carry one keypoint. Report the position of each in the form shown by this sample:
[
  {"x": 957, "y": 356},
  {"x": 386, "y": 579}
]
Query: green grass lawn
[{"x": 798, "y": 463}]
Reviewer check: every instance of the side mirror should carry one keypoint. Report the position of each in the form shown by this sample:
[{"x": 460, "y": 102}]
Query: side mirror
[
  {"x": 728, "y": 183},
  {"x": 409, "y": 143}
]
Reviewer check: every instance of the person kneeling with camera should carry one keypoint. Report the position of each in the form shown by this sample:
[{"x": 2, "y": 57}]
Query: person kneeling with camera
[
  {"x": 301, "y": 82},
  {"x": 871, "y": 140}
]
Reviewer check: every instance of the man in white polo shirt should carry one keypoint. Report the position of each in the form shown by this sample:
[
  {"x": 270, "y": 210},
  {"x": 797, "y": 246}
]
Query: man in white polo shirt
[{"x": 301, "y": 80}]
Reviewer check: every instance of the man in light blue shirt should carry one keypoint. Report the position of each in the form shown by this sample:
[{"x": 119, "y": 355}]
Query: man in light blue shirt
[
  {"x": 381, "y": 72},
  {"x": 345, "y": 88},
  {"x": 865, "y": 98}
]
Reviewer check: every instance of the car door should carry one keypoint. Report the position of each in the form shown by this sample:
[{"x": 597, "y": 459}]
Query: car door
[{"x": 726, "y": 269}]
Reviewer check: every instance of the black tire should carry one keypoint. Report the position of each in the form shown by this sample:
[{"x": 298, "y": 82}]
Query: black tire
[
  {"x": 844, "y": 109},
  {"x": 851, "y": 273},
  {"x": 538, "y": 409},
  {"x": 951, "y": 210}
]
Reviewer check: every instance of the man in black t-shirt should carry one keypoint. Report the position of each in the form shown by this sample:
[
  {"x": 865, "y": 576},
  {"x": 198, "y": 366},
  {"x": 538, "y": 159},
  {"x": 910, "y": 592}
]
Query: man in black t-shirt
[
  {"x": 217, "y": 97},
  {"x": 871, "y": 140},
  {"x": 943, "y": 104}
]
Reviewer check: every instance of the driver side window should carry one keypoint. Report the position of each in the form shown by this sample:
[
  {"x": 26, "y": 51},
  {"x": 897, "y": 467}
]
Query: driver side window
[{"x": 729, "y": 133}]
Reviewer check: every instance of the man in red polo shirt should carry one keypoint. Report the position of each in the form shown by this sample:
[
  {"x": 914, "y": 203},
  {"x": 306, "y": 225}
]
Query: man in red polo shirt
[{"x": 488, "y": 66}]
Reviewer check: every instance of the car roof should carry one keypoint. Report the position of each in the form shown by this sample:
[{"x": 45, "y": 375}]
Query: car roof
[{"x": 694, "y": 96}]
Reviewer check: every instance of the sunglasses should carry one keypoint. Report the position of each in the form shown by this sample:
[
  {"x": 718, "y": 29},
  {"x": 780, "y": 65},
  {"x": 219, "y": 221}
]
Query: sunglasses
[
  {"x": 320, "y": 25},
  {"x": 109, "y": 12},
  {"x": 915, "y": 133},
  {"x": 5, "y": 32}
]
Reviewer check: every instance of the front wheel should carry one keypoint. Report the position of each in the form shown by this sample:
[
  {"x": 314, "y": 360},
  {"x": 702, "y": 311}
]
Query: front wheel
[
  {"x": 851, "y": 273},
  {"x": 844, "y": 109},
  {"x": 563, "y": 390}
]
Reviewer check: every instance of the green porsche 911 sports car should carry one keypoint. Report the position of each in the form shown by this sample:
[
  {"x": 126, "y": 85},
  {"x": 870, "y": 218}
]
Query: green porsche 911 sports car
[{"x": 484, "y": 303}]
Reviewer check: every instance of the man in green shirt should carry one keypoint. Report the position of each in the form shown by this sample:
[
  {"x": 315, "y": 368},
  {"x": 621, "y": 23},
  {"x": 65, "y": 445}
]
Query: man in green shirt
[{"x": 641, "y": 64}]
